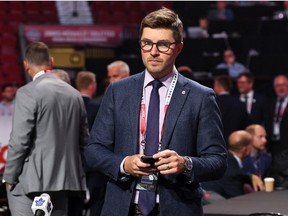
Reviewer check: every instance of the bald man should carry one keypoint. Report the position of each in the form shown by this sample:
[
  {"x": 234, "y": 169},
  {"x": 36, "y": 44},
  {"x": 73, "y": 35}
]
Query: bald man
[
  {"x": 258, "y": 162},
  {"x": 232, "y": 183}
]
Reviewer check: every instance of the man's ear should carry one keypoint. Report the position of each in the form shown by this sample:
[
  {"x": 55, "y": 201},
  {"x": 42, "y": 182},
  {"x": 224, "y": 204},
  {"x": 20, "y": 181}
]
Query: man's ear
[
  {"x": 51, "y": 63},
  {"x": 26, "y": 65},
  {"x": 180, "y": 47}
]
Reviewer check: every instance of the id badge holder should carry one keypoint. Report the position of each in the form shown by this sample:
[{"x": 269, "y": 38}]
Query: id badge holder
[
  {"x": 276, "y": 128},
  {"x": 148, "y": 183}
]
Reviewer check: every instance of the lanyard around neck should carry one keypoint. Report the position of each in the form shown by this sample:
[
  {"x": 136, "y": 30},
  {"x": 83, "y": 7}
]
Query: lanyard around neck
[{"x": 143, "y": 119}]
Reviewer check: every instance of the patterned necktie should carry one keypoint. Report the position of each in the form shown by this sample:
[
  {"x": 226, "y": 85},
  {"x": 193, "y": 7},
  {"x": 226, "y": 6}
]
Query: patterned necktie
[{"x": 147, "y": 199}]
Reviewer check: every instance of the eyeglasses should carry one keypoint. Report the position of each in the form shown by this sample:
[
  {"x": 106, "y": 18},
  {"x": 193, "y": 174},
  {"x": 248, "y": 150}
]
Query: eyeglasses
[{"x": 162, "y": 46}]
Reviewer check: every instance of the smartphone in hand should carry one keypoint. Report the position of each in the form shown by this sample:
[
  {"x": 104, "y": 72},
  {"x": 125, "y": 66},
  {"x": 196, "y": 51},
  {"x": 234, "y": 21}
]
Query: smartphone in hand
[{"x": 149, "y": 159}]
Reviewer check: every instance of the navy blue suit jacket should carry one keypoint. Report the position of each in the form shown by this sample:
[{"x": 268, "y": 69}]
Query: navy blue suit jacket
[
  {"x": 257, "y": 114},
  {"x": 92, "y": 108},
  {"x": 233, "y": 113},
  {"x": 192, "y": 128}
]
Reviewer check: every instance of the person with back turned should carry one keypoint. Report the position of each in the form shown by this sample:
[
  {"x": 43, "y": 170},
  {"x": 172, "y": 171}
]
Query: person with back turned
[
  {"x": 47, "y": 140},
  {"x": 161, "y": 114}
]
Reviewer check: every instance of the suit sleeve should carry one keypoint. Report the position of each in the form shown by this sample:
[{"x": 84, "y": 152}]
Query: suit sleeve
[
  {"x": 99, "y": 153},
  {"x": 210, "y": 162},
  {"x": 21, "y": 136},
  {"x": 84, "y": 129}
]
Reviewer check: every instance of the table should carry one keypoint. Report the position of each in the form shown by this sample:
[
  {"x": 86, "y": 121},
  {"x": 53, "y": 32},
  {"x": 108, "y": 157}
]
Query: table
[{"x": 276, "y": 201}]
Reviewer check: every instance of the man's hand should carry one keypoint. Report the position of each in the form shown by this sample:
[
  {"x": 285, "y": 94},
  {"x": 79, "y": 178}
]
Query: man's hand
[
  {"x": 169, "y": 162},
  {"x": 257, "y": 183},
  {"x": 134, "y": 166}
]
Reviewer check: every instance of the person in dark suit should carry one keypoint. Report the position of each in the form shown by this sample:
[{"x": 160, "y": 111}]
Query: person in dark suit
[
  {"x": 96, "y": 181},
  {"x": 87, "y": 86},
  {"x": 255, "y": 102},
  {"x": 233, "y": 112},
  {"x": 188, "y": 146},
  {"x": 277, "y": 126},
  {"x": 258, "y": 161},
  {"x": 50, "y": 130},
  {"x": 234, "y": 179}
]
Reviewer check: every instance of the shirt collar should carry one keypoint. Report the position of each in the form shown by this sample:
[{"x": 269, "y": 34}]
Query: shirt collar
[
  {"x": 249, "y": 95},
  {"x": 238, "y": 160},
  {"x": 40, "y": 73},
  {"x": 166, "y": 80}
]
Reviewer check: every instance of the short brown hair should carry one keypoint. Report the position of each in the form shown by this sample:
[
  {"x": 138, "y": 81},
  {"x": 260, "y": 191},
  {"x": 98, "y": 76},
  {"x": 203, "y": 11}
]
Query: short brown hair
[
  {"x": 38, "y": 54},
  {"x": 166, "y": 19},
  {"x": 84, "y": 79},
  {"x": 248, "y": 75},
  {"x": 225, "y": 81}
]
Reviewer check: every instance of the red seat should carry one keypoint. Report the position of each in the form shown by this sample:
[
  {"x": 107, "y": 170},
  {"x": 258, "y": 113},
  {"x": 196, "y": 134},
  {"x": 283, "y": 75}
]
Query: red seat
[
  {"x": 104, "y": 18},
  {"x": 121, "y": 17},
  {"x": 49, "y": 17},
  {"x": 48, "y": 6},
  {"x": 100, "y": 6},
  {"x": 132, "y": 6},
  {"x": 11, "y": 69},
  {"x": 9, "y": 39},
  {"x": 15, "y": 6},
  {"x": 32, "y": 6},
  {"x": 15, "y": 17},
  {"x": 116, "y": 6},
  {"x": 3, "y": 6},
  {"x": 33, "y": 17}
]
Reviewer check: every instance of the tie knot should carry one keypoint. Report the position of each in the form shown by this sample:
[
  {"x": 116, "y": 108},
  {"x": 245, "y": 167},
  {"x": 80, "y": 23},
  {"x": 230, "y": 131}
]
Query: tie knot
[{"x": 156, "y": 84}]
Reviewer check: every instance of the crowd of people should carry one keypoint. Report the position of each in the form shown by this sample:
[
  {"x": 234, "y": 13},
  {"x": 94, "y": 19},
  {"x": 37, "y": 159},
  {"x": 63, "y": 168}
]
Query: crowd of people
[{"x": 86, "y": 151}]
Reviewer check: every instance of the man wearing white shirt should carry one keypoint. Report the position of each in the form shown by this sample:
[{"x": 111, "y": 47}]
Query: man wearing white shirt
[{"x": 255, "y": 102}]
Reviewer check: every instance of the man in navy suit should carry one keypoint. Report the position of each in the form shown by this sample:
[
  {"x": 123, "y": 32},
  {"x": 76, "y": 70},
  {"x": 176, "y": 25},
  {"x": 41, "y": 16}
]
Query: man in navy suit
[
  {"x": 255, "y": 102},
  {"x": 191, "y": 147},
  {"x": 233, "y": 112}
]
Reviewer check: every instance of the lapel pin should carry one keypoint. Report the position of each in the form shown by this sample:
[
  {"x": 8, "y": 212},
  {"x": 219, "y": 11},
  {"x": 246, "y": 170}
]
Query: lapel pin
[{"x": 183, "y": 92}]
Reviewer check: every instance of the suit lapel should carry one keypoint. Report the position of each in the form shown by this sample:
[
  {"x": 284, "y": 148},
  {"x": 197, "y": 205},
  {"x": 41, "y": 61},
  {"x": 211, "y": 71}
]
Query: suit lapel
[
  {"x": 176, "y": 105},
  {"x": 135, "y": 90}
]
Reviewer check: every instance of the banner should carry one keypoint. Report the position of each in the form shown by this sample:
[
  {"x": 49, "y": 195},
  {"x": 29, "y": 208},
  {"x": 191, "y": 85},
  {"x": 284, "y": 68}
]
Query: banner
[
  {"x": 5, "y": 130},
  {"x": 108, "y": 36}
]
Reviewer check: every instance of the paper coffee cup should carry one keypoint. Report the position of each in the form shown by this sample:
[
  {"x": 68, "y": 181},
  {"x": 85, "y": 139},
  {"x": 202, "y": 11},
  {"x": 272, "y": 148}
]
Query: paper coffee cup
[{"x": 269, "y": 184}]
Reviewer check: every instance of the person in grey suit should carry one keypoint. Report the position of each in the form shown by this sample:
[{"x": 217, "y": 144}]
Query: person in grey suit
[
  {"x": 191, "y": 147},
  {"x": 50, "y": 129}
]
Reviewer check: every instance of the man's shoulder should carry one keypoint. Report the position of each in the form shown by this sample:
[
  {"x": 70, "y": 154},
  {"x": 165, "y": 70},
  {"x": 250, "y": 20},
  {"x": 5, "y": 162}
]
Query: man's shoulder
[
  {"x": 193, "y": 85},
  {"x": 93, "y": 103},
  {"x": 127, "y": 81}
]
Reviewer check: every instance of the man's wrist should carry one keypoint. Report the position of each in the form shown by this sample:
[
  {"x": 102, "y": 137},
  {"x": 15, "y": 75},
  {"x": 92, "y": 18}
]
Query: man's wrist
[{"x": 188, "y": 165}]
